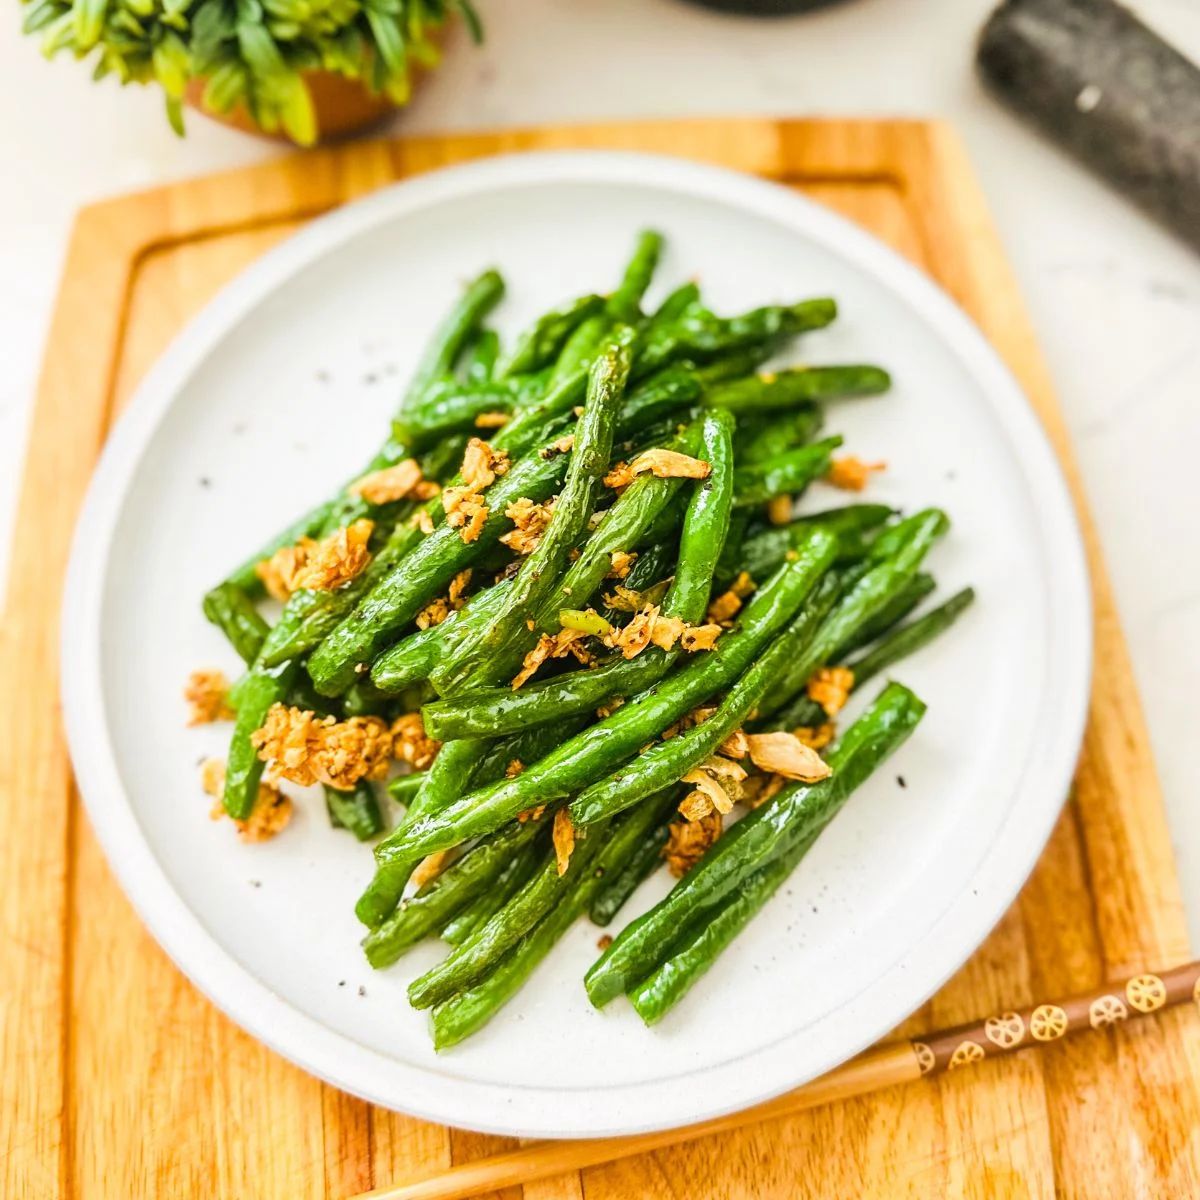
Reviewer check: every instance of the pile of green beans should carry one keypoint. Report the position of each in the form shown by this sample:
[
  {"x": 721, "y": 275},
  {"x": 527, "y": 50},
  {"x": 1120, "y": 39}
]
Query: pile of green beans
[{"x": 560, "y": 797}]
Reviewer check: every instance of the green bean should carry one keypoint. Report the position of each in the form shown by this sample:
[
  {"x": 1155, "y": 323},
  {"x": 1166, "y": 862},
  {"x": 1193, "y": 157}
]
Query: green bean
[
  {"x": 450, "y": 407},
  {"x": 478, "y": 912},
  {"x": 733, "y": 365},
  {"x": 460, "y": 764},
  {"x": 624, "y": 305},
  {"x": 707, "y": 517},
  {"x": 698, "y": 334},
  {"x": 414, "y": 657},
  {"x": 260, "y": 689},
  {"x": 404, "y": 788},
  {"x": 624, "y": 878},
  {"x": 785, "y": 389},
  {"x": 461, "y": 882},
  {"x": 894, "y": 644},
  {"x": 420, "y": 576},
  {"x": 581, "y": 347},
  {"x": 892, "y": 613},
  {"x": 592, "y": 753},
  {"x": 230, "y": 609},
  {"x": 771, "y": 830},
  {"x": 470, "y": 1010},
  {"x": 622, "y": 527},
  {"x": 675, "y": 305},
  {"x": 660, "y": 396},
  {"x": 540, "y": 345},
  {"x": 309, "y": 616},
  {"x": 760, "y": 441},
  {"x": 356, "y": 810},
  {"x": 762, "y": 553},
  {"x": 455, "y": 332},
  {"x": 481, "y": 363},
  {"x": 665, "y": 762},
  {"x": 363, "y": 699},
  {"x": 470, "y": 961},
  {"x": 477, "y": 655},
  {"x": 870, "y": 593},
  {"x": 785, "y": 474}
]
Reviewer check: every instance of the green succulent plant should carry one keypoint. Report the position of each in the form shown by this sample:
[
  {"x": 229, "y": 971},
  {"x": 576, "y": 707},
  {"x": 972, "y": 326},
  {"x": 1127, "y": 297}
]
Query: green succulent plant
[{"x": 252, "y": 52}]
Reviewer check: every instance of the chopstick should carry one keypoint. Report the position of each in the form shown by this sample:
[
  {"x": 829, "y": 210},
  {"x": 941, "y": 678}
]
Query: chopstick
[{"x": 880, "y": 1067}]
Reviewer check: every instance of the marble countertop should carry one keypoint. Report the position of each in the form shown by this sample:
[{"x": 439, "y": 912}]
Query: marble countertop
[{"x": 1116, "y": 302}]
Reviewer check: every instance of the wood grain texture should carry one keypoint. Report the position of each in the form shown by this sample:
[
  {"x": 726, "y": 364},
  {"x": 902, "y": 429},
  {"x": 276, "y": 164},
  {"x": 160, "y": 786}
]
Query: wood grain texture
[{"x": 118, "y": 1079}]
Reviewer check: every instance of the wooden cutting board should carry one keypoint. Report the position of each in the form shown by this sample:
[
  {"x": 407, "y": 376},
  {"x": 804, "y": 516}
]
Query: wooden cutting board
[{"x": 118, "y": 1079}]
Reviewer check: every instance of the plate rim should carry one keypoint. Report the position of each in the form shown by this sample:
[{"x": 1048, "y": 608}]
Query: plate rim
[{"x": 505, "y": 1108}]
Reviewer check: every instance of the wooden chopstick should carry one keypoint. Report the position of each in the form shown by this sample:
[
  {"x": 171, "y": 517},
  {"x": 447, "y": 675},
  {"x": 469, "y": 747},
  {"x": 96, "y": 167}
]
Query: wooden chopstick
[{"x": 881, "y": 1067}]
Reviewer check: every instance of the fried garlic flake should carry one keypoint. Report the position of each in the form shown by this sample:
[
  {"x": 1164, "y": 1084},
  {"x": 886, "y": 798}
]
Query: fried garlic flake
[
  {"x": 562, "y": 446},
  {"x": 411, "y": 744},
  {"x": 623, "y": 599},
  {"x": 743, "y": 585},
  {"x": 725, "y": 607},
  {"x": 817, "y": 737},
  {"x": 622, "y": 563},
  {"x": 852, "y": 474},
  {"x": 785, "y": 754},
  {"x": 434, "y": 613},
  {"x": 530, "y": 521},
  {"x": 563, "y": 835},
  {"x": 736, "y": 745},
  {"x": 481, "y": 464},
  {"x": 430, "y": 867},
  {"x": 552, "y": 645},
  {"x": 531, "y": 814},
  {"x": 670, "y": 464},
  {"x": 306, "y": 749},
  {"x": 398, "y": 482},
  {"x": 207, "y": 693},
  {"x": 830, "y": 688},
  {"x": 492, "y": 420},
  {"x": 687, "y": 841},
  {"x": 779, "y": 510},
  {"x": 467, "y": 513},
  {"x": 271, "y": 812},
  {"x": 514, "y": 768},
  {"x": 619, "y": 477},
  {"x": 321, "y": 566},
  {"x": 422, "y": 520},
  {"x": 649, "y": 627}
]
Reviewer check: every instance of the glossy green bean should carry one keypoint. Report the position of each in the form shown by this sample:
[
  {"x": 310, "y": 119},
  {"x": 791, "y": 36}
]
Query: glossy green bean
[
  {"x": 760, "y": 440},
  {"x": 665, "y": 762},
  {"x": 785, "y": 474},
  {"x": 232, "y": 611},
  {"x": 876, "y": 588},
  {"x": 470, "y": 876},
  {"x": 705, "y": 522},
  {"x": 356, "y": 810},
  {"x": 260, "y": 689},
  {"x": 478, "y": 912},
  {"x": 418, "y": 577},
  {"x": 770, "y": 830},
  {"x": 785, "y": 389},
  {"x": 624, "y": 878},
  {"x": 540, "y": 345},
  {"x": 624, "y": 305},
  {"x": 596, "y": 750},
  {"x": 470, "y": 1010},
  {"x": 474, "y": 958},
  {"x": 482, "y": 655}
]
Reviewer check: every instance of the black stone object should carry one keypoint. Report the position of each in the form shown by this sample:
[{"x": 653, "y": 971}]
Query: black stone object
[{"x": 1110, "y": 91}]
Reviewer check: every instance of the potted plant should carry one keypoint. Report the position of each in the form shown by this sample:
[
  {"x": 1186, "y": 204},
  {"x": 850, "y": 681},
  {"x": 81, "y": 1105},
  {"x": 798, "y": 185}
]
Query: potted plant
[{"x": 299, "y": 68}]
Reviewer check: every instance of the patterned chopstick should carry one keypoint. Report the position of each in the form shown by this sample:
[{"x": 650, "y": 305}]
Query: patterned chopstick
[{"x": 885, "y": 1065}]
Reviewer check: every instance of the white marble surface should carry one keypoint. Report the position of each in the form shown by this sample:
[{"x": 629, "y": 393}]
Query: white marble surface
[{"x": 1116, "y": 302}]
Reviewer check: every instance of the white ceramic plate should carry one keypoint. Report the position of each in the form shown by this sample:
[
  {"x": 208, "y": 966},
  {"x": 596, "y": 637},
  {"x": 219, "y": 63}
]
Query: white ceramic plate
[{"x": 282, "y": 388}]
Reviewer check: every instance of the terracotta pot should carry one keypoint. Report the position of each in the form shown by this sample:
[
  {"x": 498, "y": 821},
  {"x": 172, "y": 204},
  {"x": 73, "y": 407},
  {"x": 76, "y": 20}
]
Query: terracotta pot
[{"x": 342, "y": 106}]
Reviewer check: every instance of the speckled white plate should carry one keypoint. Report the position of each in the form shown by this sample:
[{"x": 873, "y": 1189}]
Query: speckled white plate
[{"x": 282, "y": 387}]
